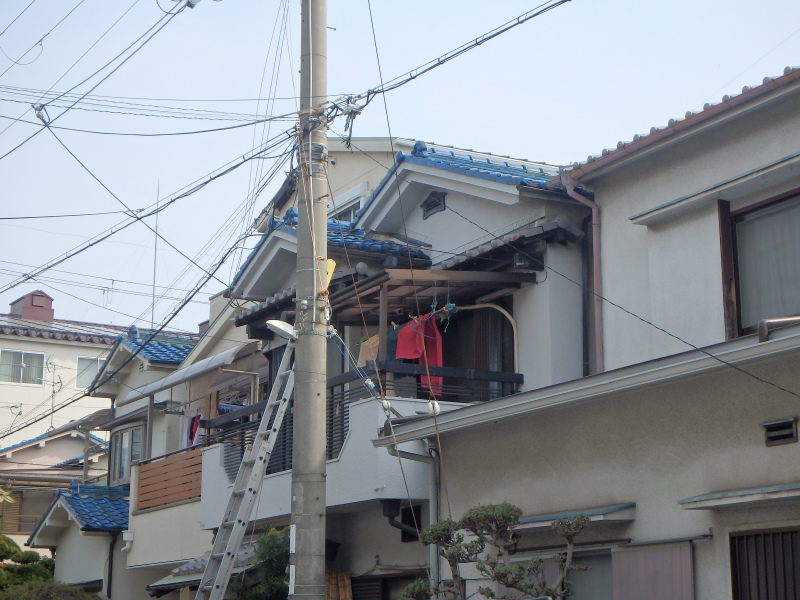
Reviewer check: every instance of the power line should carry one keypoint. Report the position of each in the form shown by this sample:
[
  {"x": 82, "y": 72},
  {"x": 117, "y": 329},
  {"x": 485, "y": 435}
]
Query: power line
[
  {"x": 41, "y": 39},
  {"x": 409, "y": 76},
  {"x": 117, "y": 198},
  {"x": 111, "y": 212},
  {"x": 196, "y": 186},
  {"x": 125, "y": 362},
  {"x": 114, "y": 70},
  {"x": 24, "y": 10}
]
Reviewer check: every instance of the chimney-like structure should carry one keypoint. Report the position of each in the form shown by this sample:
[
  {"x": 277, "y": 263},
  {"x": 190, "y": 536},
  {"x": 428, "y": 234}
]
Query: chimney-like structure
[{"x": 36, "y": 306}]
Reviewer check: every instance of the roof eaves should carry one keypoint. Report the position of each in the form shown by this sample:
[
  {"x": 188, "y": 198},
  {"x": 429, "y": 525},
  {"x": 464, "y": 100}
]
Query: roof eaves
[
  {"x": 602, "y": 385},
  {"x": 675, "y": 126}
]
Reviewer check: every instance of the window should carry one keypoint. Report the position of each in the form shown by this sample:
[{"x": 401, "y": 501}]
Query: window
[
  {"x": 126, "y": 447},
  {"x": 87, "y": 370},
  {"x": 765, "y": 565},
  {"x": 347, "y": 214},
  {"x": 21, "y": 367},
  {"x": 767, "y": 262}
]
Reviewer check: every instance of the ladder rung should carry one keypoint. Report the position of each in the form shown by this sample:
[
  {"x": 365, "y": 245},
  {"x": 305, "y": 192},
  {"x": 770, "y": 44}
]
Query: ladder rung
[{"x": 229, "y": 524}]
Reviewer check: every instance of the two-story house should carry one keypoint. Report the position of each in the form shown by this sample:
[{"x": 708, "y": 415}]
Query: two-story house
[
  {"x": 683, "y": 451},
  {"x": 499, "y": 325}
]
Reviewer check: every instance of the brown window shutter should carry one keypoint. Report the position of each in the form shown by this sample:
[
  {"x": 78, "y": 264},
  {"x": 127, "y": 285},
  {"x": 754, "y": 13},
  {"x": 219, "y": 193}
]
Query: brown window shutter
[
  {"x": 9, "y": 512},
  {"x": 659, "y": 572}
]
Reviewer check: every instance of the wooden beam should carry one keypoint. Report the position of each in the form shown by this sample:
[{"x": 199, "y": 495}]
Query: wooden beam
[
  {"x": 475, "y": 276},
  {"x": 400, "y": 368}
]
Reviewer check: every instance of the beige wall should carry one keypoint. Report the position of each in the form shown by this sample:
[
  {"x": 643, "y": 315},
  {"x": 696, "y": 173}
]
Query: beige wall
[
  {"x": 62, "y": 358},
  {"x": 669, "y": 272},
  {"x": 651, "y": 447}
]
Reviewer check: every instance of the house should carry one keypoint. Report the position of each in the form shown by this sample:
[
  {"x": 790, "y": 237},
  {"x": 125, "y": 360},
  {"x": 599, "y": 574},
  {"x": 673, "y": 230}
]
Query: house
[
  {"x": 87, "y": 526},
  {"x": 403, "y": 254},
  {"x": 84, "y": 526},
  {"x": 35, "y": 468},
  {"x": 682, "y": 451},
  {"x": 44, "y": 361}
]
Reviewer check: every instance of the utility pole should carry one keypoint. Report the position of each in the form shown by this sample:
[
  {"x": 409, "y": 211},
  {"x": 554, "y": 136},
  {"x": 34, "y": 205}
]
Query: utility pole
[{"x": 307, "y": 560}]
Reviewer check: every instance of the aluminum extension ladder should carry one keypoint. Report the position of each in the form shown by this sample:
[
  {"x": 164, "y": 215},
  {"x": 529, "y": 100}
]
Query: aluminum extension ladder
[{"x": 231, "y": 531}]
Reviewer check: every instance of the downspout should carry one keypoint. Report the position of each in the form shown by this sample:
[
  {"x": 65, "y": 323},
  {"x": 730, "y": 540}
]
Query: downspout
[
  {"x": 597, "y": 287},
  {"x": 433, "y": 500},
  {"x": 111, "y": 545}
]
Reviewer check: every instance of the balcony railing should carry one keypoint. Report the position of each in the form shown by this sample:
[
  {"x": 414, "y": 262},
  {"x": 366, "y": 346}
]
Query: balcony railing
[
  {"x": 170, "y": 478},
  {"x": 237, "y": 429}
]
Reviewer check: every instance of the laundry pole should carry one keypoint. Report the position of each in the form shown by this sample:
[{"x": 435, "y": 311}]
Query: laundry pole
[{"x": 307, "y": 559}]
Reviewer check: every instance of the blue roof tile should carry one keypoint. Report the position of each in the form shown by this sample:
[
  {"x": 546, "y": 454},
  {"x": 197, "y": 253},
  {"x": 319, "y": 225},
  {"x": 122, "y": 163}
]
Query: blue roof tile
[
  {"x": 97, "y": 507},
  {"x": 171, "y": 350},
  {"x": 507, "y": 171}
]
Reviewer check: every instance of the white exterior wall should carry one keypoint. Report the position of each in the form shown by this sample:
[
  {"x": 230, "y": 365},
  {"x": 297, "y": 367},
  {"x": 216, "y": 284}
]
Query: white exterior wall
[
  {"x": 361, "y": 473},
  {"x": 167, "y": 535},
  {"x": 368, "y": 534},
  {"x": 62, "y": 356},
  {"x": 651, "y": 447},
  {"x": 670, "y": 271},
  {"x": 74, "y": 547}
]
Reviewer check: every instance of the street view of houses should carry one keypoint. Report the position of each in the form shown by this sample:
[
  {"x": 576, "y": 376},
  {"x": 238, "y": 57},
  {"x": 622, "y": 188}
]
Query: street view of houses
[{"x": 421, "y": 371}]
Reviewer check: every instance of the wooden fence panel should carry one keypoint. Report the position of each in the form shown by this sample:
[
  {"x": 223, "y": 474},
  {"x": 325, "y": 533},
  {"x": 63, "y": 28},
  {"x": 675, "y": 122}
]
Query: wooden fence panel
[{"x": 171, "y": 479}]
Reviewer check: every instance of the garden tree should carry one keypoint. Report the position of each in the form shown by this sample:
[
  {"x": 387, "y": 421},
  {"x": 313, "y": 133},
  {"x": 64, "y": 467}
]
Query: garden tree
[
  {"x": 20, "y": 567},
  {"x": 45, "y": 590},
  {"x": 269, "y": 579},
  {"x": 492, "y": 526},
  {"x": 454, "y": 548}
]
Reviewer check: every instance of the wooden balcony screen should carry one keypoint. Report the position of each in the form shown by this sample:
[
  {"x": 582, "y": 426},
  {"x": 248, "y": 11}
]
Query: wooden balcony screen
[{"x": 173, "y": 478}]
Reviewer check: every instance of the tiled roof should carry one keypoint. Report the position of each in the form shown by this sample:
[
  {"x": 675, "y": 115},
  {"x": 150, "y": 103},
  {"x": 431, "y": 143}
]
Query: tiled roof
[
  {"x": 690, "y": 119},
  {"x": 97, "y": 508},
  {"x": 245, "y": 556},
  {"x": 341, "y": 234},
  {"x": 73, "y": 331},
  {"x": 500, "y": 169},
  {"x": 162, "y": 350},
  {"x": 39, "y": 438}
]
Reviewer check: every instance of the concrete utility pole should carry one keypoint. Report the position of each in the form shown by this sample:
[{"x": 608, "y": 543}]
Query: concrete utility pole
[{"x": 307, "y": 562}]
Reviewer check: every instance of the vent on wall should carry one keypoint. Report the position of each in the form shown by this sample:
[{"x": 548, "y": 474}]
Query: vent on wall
[
  {"x": 780, "y": 432},
  {"x": 433, "y": 204}
]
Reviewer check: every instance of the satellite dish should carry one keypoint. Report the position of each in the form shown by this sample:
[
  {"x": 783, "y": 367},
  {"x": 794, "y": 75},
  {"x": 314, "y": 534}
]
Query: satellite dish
[{"x": 282, "y": 328}]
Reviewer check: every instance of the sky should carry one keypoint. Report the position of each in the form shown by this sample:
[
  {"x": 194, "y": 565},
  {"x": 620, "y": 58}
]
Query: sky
[{"x": 556, "y": 89}]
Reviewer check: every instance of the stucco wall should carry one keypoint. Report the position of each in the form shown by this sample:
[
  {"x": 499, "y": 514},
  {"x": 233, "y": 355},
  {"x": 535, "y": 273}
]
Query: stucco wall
[
  {"x": 74, "y": 547},
  {"x": 59, "y": 377},
  {"x": 653, "y": 448},
  {"x": 670, "y": 272},
  {"x": 361, "y": 472}
]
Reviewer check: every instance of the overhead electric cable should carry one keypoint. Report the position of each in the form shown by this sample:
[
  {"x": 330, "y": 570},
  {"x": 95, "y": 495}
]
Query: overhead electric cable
[
  {"x": 117, "y": 198},
  {"x": 41, "y": 39},
  {"x": 24, "y": 10},
  {"x": 411, "y": 75},
  {"x": 72, "y": 66},
  {"x": 188, "y": 190},
  {"x": 96, "y": 214},
  {"x": 114, "y": 70},
  {"x": 125, "y": 362}
]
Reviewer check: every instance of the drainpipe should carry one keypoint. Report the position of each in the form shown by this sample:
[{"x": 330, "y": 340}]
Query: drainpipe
[
  {"x": 597, "y": 287},
  {"x": 433, "y": 500},
  {"x": 111, "y": 545}
]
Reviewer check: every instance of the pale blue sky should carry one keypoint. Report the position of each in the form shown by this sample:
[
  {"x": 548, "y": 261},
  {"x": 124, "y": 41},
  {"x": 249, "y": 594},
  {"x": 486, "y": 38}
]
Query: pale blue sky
[{"x": 556, "y": 89}]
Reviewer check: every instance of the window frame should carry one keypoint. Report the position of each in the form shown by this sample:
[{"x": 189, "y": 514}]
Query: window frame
[
  {"x": 114, "y": 444},
  {"x": 728, "y": 220},
  {"x": 23, "y": 352},
  {"x": 99, "y": 362}
]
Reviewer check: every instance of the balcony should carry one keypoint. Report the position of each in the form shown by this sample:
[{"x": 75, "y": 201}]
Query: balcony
[
  {"x": 356, "y": 471},
  {"x": 165, "y": 509},
  {"x": 168, "y": 479}
]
